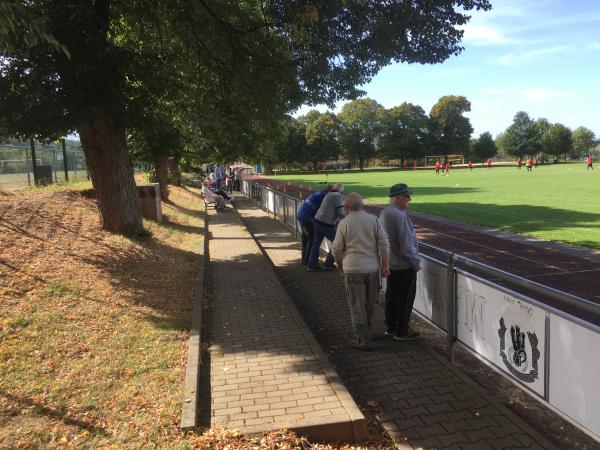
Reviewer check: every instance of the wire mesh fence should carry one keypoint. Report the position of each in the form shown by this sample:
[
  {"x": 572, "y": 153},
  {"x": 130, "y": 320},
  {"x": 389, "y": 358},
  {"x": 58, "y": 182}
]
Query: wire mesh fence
[{"x": 23, "y": 164}]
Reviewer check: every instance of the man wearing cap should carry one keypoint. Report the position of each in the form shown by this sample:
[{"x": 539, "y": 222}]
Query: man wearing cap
[
  {"x": 360, "y": 249},
  {"x": 405, "y": 262}
]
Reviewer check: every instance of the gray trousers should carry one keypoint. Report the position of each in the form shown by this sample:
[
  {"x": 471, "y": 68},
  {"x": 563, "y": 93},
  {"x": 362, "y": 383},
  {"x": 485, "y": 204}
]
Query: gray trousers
[{"x": 362, "y": 290}]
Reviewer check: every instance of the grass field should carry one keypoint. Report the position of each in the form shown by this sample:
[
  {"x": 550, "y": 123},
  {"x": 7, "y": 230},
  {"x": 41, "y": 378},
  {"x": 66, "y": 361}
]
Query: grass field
[{"x": 554, "y": 202}]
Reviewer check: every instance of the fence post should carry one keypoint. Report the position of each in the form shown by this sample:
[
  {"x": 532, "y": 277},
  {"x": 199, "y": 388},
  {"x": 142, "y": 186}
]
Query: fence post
[
  {"x": 54, "y": 164},
  {"x": 451, "y": 303},
  {"x": 64, "y": 149},
  {"x": 33, "y": 162}
]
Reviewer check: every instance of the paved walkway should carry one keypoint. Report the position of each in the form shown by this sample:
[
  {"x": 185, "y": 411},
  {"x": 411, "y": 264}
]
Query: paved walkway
[
  {"x": 425, "y": 401},
  {"x": 264, "y": 370}
]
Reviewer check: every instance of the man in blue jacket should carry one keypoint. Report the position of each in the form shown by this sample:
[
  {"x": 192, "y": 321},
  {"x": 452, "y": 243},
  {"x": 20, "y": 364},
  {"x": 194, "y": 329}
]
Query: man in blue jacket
[
  {"x": 306, "y": 214},
  {"x": 405, "y": 262}
]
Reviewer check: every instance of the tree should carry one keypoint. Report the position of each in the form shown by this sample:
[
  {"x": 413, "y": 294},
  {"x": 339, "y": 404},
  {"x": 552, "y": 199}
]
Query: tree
[
  {"x": 321, "y": 137},
  {"x": 520, "y": 138},
  {"x": 558, "y": 140},
  {"x": 244, "y": 65},
  {"x": 484, "y": 147},
  {"x": 450, "y": 130},
  {"x": 583, "y": 141},
  {"x": 360, "y": 127},
  {"x": 404, "y": 131}
]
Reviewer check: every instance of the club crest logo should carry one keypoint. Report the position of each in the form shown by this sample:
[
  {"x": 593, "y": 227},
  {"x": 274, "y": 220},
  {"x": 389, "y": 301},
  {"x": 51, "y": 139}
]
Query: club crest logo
[{"x": 521, "y": 357}]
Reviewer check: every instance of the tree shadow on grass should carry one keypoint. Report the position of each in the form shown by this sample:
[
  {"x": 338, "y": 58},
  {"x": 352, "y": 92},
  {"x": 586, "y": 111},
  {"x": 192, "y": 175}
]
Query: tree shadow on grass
[{"x": 517, "y": 218}]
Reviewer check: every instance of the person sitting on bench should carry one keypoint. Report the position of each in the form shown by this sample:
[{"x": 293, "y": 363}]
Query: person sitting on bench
[{"x": 212, "y": 197}]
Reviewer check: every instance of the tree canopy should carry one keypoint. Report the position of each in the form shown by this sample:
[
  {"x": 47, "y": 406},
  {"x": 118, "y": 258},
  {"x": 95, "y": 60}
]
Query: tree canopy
[
  {"x": 405, "y": 132},
  {"x": 450, "y": 129},
  {"x": 521, "y": 137},
  {"x": 583, "y": 141},
  {"x": 360, "y": 127},
  {"x": 232, "y": 70},
  {"x": 484, "y": 146}
]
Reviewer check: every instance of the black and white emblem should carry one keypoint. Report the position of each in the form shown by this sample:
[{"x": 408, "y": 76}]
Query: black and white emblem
[{"x": 521, "y": 358}]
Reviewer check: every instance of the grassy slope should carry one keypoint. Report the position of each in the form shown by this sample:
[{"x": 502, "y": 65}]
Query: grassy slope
[
  {"x": 93, "y": 326},
  {"x": 555, "y": 202}
]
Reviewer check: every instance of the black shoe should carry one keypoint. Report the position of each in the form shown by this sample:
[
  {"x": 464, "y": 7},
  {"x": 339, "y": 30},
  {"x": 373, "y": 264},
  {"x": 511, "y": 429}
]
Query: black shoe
[
  {"x": 410, "y": 336},
  {"x": 313, "y": 269},
  {"x": 389, "y": 332},
  {"x": 325, "y": 267}
]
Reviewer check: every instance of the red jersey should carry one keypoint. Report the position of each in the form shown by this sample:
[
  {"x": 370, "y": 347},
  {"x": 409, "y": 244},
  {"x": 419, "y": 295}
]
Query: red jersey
[
  {"x": 470, "y": 164},
  {"x": 437, "y": 166},
  {"x": 489, "y": 162},
  {"x": 590, "y": 160}
]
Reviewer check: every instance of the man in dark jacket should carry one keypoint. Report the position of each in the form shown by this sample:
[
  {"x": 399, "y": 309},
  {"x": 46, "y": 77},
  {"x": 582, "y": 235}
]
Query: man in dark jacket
[
  {"x": 405, "y": 262},
  {"x": 306, "y": 214}
]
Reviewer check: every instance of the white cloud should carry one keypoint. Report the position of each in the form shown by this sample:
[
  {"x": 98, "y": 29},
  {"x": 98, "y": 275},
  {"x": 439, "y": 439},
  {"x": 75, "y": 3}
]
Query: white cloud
[
  {"x": 483, "y": 35},
  {"x": 541, "y": 94},
  {"x": 513, "y": 58},
  {"x": 593, "y": 46}
]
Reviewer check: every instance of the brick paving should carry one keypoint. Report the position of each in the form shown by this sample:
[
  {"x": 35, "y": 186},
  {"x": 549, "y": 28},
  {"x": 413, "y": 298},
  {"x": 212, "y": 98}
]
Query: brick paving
[
  {"x": 263, "y": 370},
  {"x": 425, "y": 402}
]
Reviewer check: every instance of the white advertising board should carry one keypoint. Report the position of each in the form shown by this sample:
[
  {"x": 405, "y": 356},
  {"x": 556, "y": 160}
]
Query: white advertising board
[
  {"x": 270, "y": 201},
  {"x": 574, "y": 369},
  {"x": 431, "y": 298},
  {"x": 506, "y": 330}
]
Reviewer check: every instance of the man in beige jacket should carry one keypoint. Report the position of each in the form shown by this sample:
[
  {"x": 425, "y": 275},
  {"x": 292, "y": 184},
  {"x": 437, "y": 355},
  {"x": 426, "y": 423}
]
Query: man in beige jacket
[{"x": 360, "y": 250}]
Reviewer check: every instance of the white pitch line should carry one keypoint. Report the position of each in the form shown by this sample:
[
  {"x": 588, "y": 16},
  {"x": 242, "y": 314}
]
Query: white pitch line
[{"x": 494, "y": 249}]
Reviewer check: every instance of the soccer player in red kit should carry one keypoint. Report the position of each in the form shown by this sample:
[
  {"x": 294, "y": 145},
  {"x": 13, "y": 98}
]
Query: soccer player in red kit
[{"x": 437, "y": 167}]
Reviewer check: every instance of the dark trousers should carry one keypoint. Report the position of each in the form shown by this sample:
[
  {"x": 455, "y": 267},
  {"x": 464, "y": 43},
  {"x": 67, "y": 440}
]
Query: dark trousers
[
  {"x": 218, "y": 183},
  {"x": 399, "y": 299},
  {"x": 222, "y": 194},
  {"x": 308, "y": 233},
  {"x": 321, "y": 230}
]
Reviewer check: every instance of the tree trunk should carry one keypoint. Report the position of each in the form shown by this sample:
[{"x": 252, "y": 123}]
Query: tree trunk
[
  {"x": 173, "y": 164},
  {"x": 314, "y": 166},
  {"x": 161, "y": 166},
  {"x": 105, "y": 148},
  {"x": 361, "y": 163}
]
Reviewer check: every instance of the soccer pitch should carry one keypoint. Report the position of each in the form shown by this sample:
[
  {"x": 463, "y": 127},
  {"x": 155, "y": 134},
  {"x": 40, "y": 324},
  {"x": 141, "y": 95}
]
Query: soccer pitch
[{"x": 554, "y": 202}]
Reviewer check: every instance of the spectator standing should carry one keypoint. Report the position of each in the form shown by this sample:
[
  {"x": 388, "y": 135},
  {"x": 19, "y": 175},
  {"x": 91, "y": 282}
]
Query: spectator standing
[
  {"x": 306, "y": 214},
  {"x": 405, "y": 262},
  {"x": 328, "y": 215},
  {"x": 360, "y": 249},
  {"x": 229, "y": 180},
  {"x": 219, "y": 175},
  {"x": 590, "y": 162}
]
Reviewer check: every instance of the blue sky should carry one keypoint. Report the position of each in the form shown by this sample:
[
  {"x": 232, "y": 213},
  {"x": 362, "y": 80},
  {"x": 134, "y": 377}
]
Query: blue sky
[{"x": 538, "y": 56}]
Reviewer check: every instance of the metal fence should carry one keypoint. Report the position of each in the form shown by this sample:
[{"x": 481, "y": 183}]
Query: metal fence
[
  {"x": 24, "y": 164},
  {"x": 543, "y": 349}
]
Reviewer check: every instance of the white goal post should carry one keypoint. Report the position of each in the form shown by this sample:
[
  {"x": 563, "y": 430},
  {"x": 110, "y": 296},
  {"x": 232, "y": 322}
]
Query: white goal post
[{"x": 454, "y": 159}]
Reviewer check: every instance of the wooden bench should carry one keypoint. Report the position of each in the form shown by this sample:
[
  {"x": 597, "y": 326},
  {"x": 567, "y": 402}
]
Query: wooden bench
[{"x": 208, "y": 203}]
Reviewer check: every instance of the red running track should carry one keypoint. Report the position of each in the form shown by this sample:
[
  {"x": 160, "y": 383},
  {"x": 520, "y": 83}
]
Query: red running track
[{"x": 545, "y": 263}]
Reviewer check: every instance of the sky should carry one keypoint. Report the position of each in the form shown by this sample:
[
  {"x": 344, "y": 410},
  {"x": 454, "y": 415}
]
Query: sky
[{"x": 537, "y": 56}]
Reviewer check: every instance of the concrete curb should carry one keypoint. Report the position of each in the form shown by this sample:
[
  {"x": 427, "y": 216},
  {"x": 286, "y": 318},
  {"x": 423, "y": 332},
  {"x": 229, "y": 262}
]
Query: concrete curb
[{"x": 191, "y": 384}]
